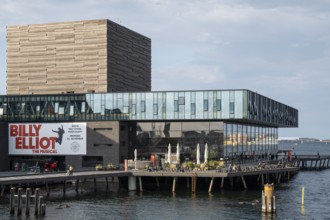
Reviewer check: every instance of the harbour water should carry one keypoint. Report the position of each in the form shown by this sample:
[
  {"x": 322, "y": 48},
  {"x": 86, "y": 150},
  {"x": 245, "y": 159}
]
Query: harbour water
[{"x": 221, "y": 204}]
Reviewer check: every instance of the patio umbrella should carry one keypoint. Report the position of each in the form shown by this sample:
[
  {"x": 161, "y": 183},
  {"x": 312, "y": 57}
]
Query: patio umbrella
[
  {"x": 135, "y": 154},
  {"x": 178, "y": 154},
  {"x": 206, "y": 153},
  {"x": 169, "y": 154},
  {"x": 198, "y": 155}
]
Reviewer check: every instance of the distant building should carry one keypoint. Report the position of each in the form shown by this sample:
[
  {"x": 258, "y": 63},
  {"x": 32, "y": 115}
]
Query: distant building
[{"x": 80, "y": 57}]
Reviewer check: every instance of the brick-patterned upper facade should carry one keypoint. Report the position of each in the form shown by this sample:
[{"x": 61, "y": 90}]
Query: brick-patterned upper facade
[{"x": 82, "y": 56}]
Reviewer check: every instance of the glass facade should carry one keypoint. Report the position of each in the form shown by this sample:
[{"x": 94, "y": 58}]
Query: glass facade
[
  {"x": 224, "y": 139},
  {"x": 233, "y": 105},
  {"x": 234, "y": 123}
]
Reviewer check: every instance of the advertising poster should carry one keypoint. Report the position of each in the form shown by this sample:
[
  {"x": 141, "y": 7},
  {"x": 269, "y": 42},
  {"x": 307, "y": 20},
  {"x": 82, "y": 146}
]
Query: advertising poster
[{"x": 47, "y": 139}]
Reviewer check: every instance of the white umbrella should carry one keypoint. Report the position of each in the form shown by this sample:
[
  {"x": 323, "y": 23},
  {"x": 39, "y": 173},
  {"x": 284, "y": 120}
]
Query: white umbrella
[
  {"x": 178, "y": 154},
  {"x": 135, "y": 154},
  {"x": 135, "y": 159},
  {"x": 206, "y": 153},
  {"x": 169, "y": 154},
  {"x": 198, "y": 155}
]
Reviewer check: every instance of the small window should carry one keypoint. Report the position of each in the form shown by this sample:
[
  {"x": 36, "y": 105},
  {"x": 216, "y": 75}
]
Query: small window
[
  {"x": 133, "y": 109},
  {"x": 155, "y": 109},
  {"x": 232, "y": 108},
  {"x": 206, "y": 104},
  {"x": 193, "y": 108},
  {"x": 143, "y": 106},
  {"x": 218, "y": 105},
  {"x": 176, "y": 105},
  {"x": 181, "y": 100}
]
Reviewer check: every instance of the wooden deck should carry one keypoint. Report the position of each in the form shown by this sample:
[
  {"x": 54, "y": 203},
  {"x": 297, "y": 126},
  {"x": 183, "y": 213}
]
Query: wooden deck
[{"x": 312, "y": 162}]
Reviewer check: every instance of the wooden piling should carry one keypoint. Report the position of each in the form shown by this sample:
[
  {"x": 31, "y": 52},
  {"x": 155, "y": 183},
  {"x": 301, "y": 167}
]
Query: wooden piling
[
  {"x": 243, "y": 181},
  {"x": 40, "y": 202},
  {"x": 193, "y": 182},
  {"x": 174, "y": 182},
  {"x": 19, "y": 201},
  {"x": 106, "y": 180},
  {"x": 77, "y": 186},
  {"x": 47, "y": 190},
  {"x": 27, "y": 201},
  {"x": 222, "y": 182},
  {"x": 36, "y": 198},
  {"x": 64, "y": 187},
  {"x": 211, "y": 185},
  {"x": 11, "y": 200},
  {"x": 3, "y": 187},
  {"x": 157, "y": 182},
  {"x": 95, "y": 185},
  {"x": 140, "y": 184}
]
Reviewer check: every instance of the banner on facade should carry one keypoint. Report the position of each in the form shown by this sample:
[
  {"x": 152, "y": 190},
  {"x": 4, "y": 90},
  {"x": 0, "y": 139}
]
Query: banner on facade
[{"x": 47, "y": 139}]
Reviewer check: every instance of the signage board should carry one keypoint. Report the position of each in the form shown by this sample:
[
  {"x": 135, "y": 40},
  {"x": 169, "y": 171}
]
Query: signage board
[{"x": 47, "y": 139}]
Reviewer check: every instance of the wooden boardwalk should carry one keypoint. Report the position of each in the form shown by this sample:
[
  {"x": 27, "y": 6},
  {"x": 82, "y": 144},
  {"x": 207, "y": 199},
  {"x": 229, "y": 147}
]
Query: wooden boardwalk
[
  {"x": 77, "y": 177},
  {"x": 312, "y": 162},
  {"x": 49, "y": 178}
]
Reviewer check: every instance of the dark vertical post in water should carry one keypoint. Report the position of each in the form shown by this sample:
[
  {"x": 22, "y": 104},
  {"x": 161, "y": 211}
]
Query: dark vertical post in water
[
  {"x": 19, "y": 202},
  {"x": 94, "y": 184},
  {"x": 11, "y": 200},
  {"x": 47, "y": 189},
  {"x": 36, "y": 198},
  {"x": 27, "y": 201},
  {"x": 3, "y": 187},
  {"x": 40, "y": 200},
  {"x": 64, "y": 187},
  {"x": 77, "y": 186}
]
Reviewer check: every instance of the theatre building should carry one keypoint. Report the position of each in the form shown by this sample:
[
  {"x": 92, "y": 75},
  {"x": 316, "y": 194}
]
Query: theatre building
[{"x": 75, "y": 103}]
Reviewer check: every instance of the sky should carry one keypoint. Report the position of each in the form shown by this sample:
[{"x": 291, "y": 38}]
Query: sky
[{"x": 280, "y": 49}]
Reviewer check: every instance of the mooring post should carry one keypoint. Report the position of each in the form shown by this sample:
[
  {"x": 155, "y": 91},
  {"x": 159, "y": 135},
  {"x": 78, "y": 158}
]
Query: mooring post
[
  {"x": 43, "y": 209},
  {"x": 222, "y": 182},
  {"x": 173, "y": 186},
  {"x": 243, "y": 181},
  {"x": 94, "y": 184},
  {"x": 188, "y": 182},
  {"x": 64, "y": 187},
  {"x": 11, "y": 200},
  {"x": 279, "y": 178},
  {"x": 140, "y": 184},
  {"x": 211, "y": 185},
  {"x": 47, "y": 189},
  {"x": 3, "y": 187},
  {"x": 77, "y": 186},
  {"x": 157, "y": 182},
  {"x": 19, "y": 202},
  {"x": 268, "y": 199},
  {"x": 106, "y": 180},
  {"x": 27, "y": 201},
  {"x": 36, "y": 198},
  {"x": 41, "y": 198}
]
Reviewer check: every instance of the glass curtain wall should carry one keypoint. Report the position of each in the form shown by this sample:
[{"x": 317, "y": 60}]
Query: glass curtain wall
[
  {"x": 240, "y": 142},
  {"x": 249, "y": 142}
]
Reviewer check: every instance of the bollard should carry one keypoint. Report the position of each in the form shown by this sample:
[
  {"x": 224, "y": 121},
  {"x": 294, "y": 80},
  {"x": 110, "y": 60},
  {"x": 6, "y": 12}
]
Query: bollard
[
  {"x": 11, "y": 200},
  {"x": 36, "y": 198},
  {"x": 41, "y": 198},
  {"x": 268, "y": 199},
  {"x": 19, "y": 202},
  {"x": 302, "y": 196},
  {"x": 27, "y": 201}
]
